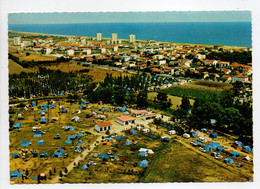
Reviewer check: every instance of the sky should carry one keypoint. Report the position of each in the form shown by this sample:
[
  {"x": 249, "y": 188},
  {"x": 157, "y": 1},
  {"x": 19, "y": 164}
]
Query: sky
[{"x": 115, "y": 17}]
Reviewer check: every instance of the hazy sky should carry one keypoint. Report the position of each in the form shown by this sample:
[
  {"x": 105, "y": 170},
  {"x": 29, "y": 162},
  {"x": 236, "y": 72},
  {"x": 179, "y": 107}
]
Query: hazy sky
[{"x": 106, "y": 17}]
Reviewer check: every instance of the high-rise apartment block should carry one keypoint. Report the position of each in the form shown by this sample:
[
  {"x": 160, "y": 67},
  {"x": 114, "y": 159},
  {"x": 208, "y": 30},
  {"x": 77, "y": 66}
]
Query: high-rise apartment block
[
  {"x": 114, "y": 38},
  {"x": 17, "y": 41},
  {"x": 99, "y": 36},
  {"x": 131, "y": 38}
]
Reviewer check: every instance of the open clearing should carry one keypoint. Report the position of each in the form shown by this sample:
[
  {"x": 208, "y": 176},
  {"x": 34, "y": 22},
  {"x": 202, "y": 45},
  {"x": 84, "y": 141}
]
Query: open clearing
[
  {"x": 15, "y": 68},
  {"x": 176, "y": 101}
]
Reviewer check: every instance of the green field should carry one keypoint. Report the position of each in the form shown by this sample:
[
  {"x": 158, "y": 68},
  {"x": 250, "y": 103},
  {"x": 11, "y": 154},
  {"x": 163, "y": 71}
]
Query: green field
[{"x": 15, "y": 68}]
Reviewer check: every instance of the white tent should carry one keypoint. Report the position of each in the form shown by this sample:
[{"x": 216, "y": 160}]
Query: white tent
[{"x": 172, "y": 132}]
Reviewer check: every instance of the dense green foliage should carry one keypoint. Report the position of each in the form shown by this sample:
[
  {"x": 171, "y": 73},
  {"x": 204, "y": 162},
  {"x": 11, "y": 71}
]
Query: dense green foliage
[{"x": 240, "y": 57}]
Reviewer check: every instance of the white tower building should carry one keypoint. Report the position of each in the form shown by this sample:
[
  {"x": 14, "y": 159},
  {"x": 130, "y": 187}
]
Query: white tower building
[
  {"x": 99, "y": 36},
  {"x": 17, "y": 41},
  {"x": 131, "y": 38},
  {"x": 114, "y": 38}
]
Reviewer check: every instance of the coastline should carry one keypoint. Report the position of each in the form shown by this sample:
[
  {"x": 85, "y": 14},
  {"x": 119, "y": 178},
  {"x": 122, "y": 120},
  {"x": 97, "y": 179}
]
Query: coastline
[{"x": 60, "y": 35}]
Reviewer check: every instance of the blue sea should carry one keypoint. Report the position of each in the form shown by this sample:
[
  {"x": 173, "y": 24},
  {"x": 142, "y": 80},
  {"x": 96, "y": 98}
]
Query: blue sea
[{"x": 221, "y": 33}]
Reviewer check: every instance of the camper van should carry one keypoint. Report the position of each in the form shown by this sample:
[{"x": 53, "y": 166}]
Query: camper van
[
  {"x": 35, "y": 129},
  {"x": 186, "y": 135},
  {"x": 202, "y": 139}
]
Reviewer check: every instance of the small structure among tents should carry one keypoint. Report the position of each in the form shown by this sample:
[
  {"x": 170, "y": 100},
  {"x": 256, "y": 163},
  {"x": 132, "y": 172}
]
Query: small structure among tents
[
  {"x": 213, "y": 135},
  {"x": 40, "y": 142},
  {"x": 125, "y": 120},
  {"x": 165, "y": 139},
  {"x": 122, "y": 109},
  {"x": 119, "y": 137},
  {"x": 142, "y": 153},
  {"x": 81, "y": 134},
  {"x": 138, "y": 113},
  {"x": 15, "y": 174},
  {"x": 69, "y": 128},
  {"x": 43, "y": 155},
  {"x": 143, "y": 163},
  {"x": 234, "y": 154},
  {"x": 103, "y": 156},
  {"x": 127, "y": 142},
  {"x": 132, "y": 132},
  {"x": 213, "y": 145},
  {"x": 85, "y": 166},
  {"x": 220, "y": 148},
  {"x": 194, "y": 134},
  {"x": 15, "y": 155},
  {"x": 37, "y": 134},
  {"x": 203, "y": 130},
  {"x": 207, "y": 148},
  {"x": 57, "y": 155},
  {"x": 17, "y": 125},
  {"x": 247, "y": 149},
  {"x": 228, "y": 160},
  {"x": 25, "y": 143},
  {"x": 103, "y": 126},
  {"x": 238, "y": 143},
  {"x": 43, "y": 121},
  {"x": 52, "y": 106}
]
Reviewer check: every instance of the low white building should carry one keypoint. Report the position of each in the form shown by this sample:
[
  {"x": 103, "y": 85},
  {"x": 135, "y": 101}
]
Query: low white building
[
  {"x": 241, "y": 78},
  {"x": 70, "y": 52},
  {"x": 125, "y": 120},
  {"x": 103, "y": 50},
  {"x": 172, "y": 132},
  {"x": 104, "y": 126},
  {"x": 149, "y": 116},
  {"x": 48, "y": 50}
]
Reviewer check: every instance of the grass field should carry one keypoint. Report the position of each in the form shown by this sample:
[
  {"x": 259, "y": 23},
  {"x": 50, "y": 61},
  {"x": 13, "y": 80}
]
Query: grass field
[
  {"x": 179, "y": 164},
  {"x": 97, "y": 73},
  {"x": 197, "y": 88},
  {"x": 15, "y": 68}
]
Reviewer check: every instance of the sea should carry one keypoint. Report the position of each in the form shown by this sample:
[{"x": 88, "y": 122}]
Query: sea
[{"x": 210, "y": 33}]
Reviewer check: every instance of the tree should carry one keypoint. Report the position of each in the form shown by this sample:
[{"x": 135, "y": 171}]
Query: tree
[
  {"x": 61, "y": 175},
  {"x": 185, "y": 103},
  {"x": 66, "y": 170},
  {"x": 161, "y": 96},
  {"x": 50, "y": 172}
]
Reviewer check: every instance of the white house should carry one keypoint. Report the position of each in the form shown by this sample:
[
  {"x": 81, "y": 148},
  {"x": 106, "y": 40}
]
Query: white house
[
  {"x": 48, "y": 50},
  {"x": 210, "y": 62},
  {"x": 137, "y": 113},
  {"x": 70, "y": 52},
  {"x": 103, "y": 126},
  {"x": 115, "y": 48},
  {"x": 125, "y": 120},
  {"x": 103, "y": 50}
]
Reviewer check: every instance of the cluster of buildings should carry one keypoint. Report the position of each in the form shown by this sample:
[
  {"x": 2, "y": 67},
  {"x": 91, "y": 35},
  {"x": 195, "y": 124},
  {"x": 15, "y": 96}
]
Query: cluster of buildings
[{"x": 149, "y": 56}]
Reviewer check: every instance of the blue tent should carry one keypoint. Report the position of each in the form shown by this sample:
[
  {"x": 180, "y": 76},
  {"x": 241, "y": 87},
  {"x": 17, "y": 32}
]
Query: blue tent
[
  {"x": 142, "y": 153},
  {"x": 80, "y": 142},
  {"x": 43, "y": 120},
  {"x": 80, "y": 106},
  {"x": 37, "y": 134},
  {"x": 212, "y": 121},
  {"x": 207, "y": 148},
  {"x": 203, "y": 130},
  {"x": 34, "y": 104},
  {"x": 72, "y": 137},
  {"x": 220, "y": 148},
  {"x": 101, "y": 109},
  {"x": 247, "y": 148},
  {"x": 41, "y": 112},
  {"x": 43, "y": 155},
  {"x": 213, "y": 145},
  {"x": 40, "y": 142},
  {"x": 81, "y": 134},
  {"x": 238, "y": 143},
  {"x": 110, "y": 139},
  {"x": 198, "y": 143},
  {"x": 194, "y": 134},
  {"x": 57, "y": 155},
  {"x": 25, "y": 143},
  {"x": 78, "y": 147},
  {"x": 143, "y": 163},
  {"x": 165, "y": 139},
  {"x": 61, "y": 150},
  {"x": 15, "y": 155},
  {"x": 68, "y": 141},
  {"x": 213, "y": 135},
  {"x": 120, "y": 137},
  {"x": 45, "y": 105},
  {"x": 69, "y": 128},
  {"x": 127, "y": 142},
  {"x": 86, "y": 102},
  {"x": 52, "y": 106},
  {"x": 132, "y": 132},
  {"x": 114, "y": 156},
  {"x": 17, "y": 125},
  {"x": 234, "y": 154},
  {"x": 85, "y": 166},
  {"x": 15, "y": 174},
  {"x": 123, "y": 108},
  {"x": 103, "y": 156},
  {"x": 64, "y": 110},
  {"x": 34, "y": 178},
  {"x": 228, "y": 161}
]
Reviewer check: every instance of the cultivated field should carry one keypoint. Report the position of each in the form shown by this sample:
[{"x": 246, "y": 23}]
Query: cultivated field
[{"x": 197, "y": 89}]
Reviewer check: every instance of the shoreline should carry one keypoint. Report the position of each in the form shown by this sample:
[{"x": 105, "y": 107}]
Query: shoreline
[{"x": 176, "y": 43}]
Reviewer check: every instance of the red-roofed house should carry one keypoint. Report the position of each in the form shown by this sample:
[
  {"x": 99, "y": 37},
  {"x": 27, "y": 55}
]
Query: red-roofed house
[
  {"x": 149, "y": 116},
  {"x": 137, "y": 113},
  {"x": 241, "y": 78},
  {"x": 103, "y": 126},
  {"x": 210, "y": 62},
  {"x": 226, "y": 78},
  {"x": 125, "y": 120}
]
